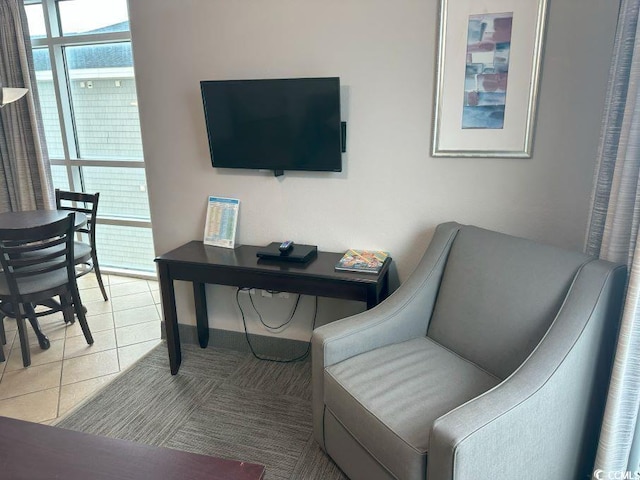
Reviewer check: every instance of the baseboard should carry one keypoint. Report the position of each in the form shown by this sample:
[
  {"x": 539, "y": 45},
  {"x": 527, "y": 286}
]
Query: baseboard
[{"x": 263, "y": 345}]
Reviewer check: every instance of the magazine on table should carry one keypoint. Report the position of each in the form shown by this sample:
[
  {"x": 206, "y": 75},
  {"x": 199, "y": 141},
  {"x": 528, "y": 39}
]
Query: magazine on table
[{"x": 370, "y": 261}]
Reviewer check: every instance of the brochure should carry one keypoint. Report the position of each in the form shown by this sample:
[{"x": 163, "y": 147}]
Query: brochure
[{"x": 222, "y": 222}]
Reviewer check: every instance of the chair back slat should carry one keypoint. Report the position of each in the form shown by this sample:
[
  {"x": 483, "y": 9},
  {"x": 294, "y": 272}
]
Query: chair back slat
[
  {"x": 86, "y": 211},
  {"x": 46, "y": 257},
  {"x": 86, "y": 203}
]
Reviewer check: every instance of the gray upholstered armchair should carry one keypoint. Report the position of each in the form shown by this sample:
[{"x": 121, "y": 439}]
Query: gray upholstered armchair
[{"x": 490, "y": 362}]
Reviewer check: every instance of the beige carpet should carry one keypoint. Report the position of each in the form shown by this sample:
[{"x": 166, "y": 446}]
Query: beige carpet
[{"x": 222, "y": 403}]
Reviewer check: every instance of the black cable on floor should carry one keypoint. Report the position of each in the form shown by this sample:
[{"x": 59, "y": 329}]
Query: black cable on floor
[
  {"x": 246, "y": 332},
  {"x": 269, "y": 327}
]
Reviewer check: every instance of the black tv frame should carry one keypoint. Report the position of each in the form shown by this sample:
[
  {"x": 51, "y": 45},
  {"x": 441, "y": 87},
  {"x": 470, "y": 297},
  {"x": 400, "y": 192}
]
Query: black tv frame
[{"x": 277, "y": 171}]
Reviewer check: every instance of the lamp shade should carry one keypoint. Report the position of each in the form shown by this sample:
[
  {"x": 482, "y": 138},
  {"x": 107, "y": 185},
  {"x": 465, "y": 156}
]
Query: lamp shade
[{"x": 8, "y": 95}]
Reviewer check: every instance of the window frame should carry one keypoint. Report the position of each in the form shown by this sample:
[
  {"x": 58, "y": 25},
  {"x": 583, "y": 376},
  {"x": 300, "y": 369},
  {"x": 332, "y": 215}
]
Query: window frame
[{"x": 55, "y": 42}]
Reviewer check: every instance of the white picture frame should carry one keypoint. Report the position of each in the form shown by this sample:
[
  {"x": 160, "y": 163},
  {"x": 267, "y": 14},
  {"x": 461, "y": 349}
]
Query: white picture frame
[{"x": 461, "y": 59}]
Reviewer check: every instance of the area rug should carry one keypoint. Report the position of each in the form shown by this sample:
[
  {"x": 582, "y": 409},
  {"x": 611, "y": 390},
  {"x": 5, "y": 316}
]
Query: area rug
[{"x": 222, "y": 403}]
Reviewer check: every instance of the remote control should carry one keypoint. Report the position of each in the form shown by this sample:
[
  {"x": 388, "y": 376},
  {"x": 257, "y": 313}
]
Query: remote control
[{"x": 286, "y": 246}]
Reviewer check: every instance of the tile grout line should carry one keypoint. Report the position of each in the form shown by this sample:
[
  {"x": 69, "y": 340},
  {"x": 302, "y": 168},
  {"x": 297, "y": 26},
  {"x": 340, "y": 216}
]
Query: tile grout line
[
  {"x": 150, "y": 288},
  {"x": 115, "y": 329},
  {"x": 64, "y": 349}
]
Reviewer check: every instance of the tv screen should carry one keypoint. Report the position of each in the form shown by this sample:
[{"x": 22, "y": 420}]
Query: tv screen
[{"x": 277, "y": 124}]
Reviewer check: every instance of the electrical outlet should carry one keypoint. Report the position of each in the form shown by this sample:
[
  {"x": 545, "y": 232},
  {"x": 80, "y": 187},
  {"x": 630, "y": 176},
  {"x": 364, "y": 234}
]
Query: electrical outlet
[
  {"x": 267, "y": 294},
  {"x": 252, "y": 291}
]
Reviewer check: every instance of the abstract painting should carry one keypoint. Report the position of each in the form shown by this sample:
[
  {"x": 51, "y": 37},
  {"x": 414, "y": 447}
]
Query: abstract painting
[
  {"x": 487, "y": 70},
  {"x": 488, "y": 73}
]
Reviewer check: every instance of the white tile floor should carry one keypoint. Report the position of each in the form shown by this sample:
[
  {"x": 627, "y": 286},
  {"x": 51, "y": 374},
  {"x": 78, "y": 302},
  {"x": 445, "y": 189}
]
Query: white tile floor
[{"x": 124, "y": 329}]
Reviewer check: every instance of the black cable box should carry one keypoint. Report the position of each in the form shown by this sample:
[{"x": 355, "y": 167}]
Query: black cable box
[{"x": 298, "y": 253}]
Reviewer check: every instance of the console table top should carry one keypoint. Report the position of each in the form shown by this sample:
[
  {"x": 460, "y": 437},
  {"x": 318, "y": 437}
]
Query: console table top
[{"x": 243, "y": 257}]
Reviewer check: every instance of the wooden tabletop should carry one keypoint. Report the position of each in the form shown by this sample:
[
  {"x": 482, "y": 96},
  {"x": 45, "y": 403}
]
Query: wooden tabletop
[
  {"x": 244, "y": 257},
  {"x": 36, "y": 218},
  {"x": 30, "y": 451}
]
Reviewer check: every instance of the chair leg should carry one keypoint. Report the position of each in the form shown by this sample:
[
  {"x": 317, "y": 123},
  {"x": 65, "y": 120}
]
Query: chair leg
[
  {"x": 24, "y": 339},
  {"x": 3, "y": 338},
  {"x": 96, "y": 268},
  {"x": 33, "y": 320},
  {"x": 80, "y": 312},
  {"x": 3, "y": 334},
  {"x": 67, "y": 309}
]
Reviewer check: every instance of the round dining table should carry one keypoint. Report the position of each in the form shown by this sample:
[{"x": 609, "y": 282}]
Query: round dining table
[{"x": 36, "y": 218}]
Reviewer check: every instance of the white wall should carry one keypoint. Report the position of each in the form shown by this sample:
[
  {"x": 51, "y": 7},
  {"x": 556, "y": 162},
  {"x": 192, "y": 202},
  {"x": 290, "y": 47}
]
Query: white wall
[{"x": 392, "y": 193}]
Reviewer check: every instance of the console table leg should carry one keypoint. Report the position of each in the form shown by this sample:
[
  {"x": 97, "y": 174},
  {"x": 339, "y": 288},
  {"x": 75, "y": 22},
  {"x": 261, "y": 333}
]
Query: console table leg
[
  {"x": 377, "y": 293},
  {"x": 384, "y": 291},
  {"x": 202, "y": 317},
  {"x": 170, "y": 317},
  {"x": 372, "y": 301}
]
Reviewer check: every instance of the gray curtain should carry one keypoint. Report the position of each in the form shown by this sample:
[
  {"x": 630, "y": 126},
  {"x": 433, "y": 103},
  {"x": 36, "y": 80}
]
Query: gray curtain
[
  {"x": 612, "y": 235},
  {"x": 25, "y": 172}
]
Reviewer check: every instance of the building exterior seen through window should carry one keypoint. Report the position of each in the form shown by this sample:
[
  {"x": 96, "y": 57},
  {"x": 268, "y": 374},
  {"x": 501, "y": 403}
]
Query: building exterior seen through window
[{"x": 87, "y": 92}]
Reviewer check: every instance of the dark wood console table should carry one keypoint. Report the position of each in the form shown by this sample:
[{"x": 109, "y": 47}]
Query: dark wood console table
[{"x": 201, "y": 264}]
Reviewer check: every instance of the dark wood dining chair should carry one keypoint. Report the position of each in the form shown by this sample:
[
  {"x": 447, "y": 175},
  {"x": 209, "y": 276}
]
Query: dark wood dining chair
[
  {"x": 38, "y": 265},
  {"x": 86, "y": 254}
]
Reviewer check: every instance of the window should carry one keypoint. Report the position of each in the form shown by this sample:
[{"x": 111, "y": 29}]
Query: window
[{"x": 87, "y": 92}]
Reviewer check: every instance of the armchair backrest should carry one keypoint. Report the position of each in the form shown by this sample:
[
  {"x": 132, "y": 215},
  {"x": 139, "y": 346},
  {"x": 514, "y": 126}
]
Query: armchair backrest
[{"x": 498, "y": 296}]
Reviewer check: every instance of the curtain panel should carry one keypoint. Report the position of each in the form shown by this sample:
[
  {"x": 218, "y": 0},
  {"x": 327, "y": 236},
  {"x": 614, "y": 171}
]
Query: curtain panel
[
  {"x": 25, "y": 171},
  {"x": 612, "y": 235}
]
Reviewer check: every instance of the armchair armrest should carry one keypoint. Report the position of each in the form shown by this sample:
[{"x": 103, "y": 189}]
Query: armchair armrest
[
  {"x": 402, "y": 316},
  {"x": 543, "y": 420}
]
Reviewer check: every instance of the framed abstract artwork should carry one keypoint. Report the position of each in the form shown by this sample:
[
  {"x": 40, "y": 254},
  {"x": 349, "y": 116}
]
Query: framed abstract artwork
[{"x": 488, "y": 72}]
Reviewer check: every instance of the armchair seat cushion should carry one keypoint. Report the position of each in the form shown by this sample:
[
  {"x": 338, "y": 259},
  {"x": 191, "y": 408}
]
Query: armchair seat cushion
[{"x": 388, "y": 398}]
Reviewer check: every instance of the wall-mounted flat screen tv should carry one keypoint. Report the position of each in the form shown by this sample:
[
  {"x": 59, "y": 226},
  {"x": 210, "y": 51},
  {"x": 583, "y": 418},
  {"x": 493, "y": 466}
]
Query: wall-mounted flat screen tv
[{"x": 274, "y": 124}]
